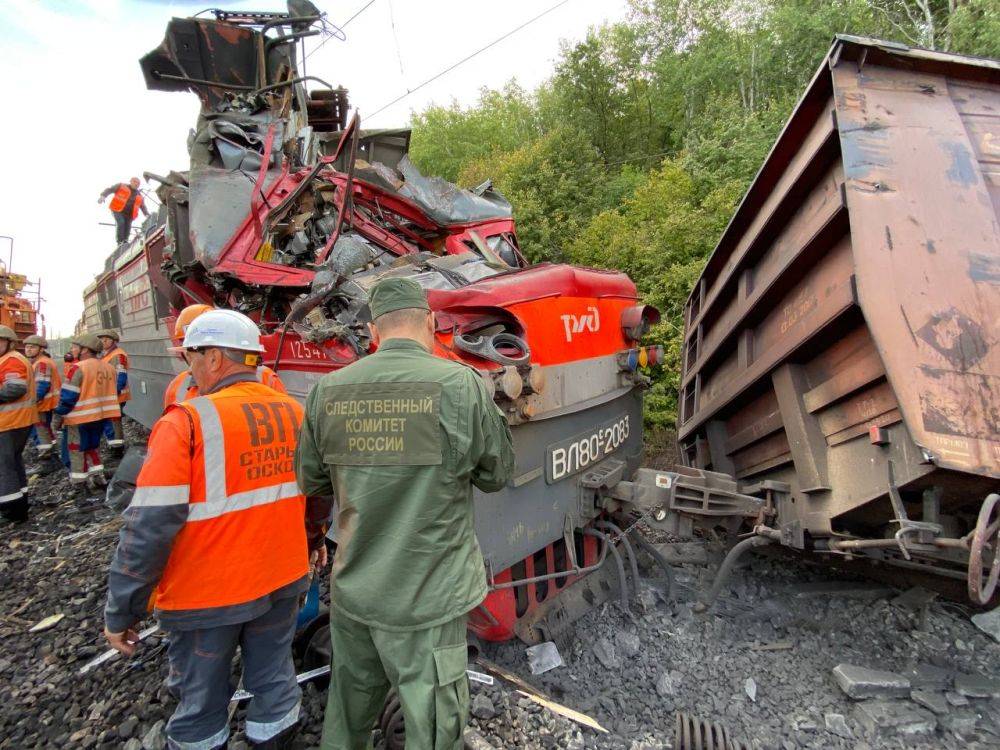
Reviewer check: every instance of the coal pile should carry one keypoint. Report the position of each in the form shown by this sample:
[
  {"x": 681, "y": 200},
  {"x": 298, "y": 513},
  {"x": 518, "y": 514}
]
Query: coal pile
[{"x": 788, "y": 658}]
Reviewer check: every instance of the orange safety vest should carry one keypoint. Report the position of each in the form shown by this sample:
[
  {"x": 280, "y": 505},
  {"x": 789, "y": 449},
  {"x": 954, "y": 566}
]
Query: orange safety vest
[
  {"x": 98, "y": 393},
  {"x": 184, "y": 384},
  {"x": 67, "y": 368},
  {"x": 14, "y": 366},
  {"x": 229, "y": 457},
  {"x": 51, "y": 399},
  {"x": 121, "y": 198},
  {"x": 114, "y": 357}
]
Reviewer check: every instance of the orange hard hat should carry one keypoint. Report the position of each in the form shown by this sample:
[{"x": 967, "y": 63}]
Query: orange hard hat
[{"x": 186, "y": 317}]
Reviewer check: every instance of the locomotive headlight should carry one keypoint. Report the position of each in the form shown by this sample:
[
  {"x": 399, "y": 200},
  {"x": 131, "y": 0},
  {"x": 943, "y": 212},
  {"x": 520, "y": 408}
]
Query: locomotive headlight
[
  {"x": 510, "y": 383},
  {"x": 637, "y": 320},
  {"x": 534, "y": 381}
]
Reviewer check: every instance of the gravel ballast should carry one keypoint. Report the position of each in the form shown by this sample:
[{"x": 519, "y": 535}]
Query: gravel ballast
[{"x": 762, "y": 662}]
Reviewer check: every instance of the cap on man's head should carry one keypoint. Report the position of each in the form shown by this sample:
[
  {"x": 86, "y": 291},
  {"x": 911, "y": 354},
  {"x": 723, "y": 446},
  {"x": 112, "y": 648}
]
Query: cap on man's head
[{"x": 397, "y": 293}]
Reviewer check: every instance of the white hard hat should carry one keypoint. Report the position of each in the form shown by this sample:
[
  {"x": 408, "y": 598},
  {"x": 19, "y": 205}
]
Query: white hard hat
[{"x": 225, "y": 329}]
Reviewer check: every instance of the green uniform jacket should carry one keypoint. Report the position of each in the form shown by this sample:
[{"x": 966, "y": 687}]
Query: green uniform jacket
[{"x": 400, "y": 437}]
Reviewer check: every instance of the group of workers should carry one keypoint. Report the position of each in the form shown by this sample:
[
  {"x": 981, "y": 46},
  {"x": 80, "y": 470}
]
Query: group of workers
[
  {"x": 81, "y": 402},
  {"x": 229, "y": 518}
]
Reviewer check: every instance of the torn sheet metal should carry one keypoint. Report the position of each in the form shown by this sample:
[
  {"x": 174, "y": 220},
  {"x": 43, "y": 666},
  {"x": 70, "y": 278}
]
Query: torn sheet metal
[{"x": 446, "y": 203}]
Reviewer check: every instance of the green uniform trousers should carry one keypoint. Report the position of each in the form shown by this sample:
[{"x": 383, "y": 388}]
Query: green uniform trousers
[{"x": 427, "y": 669}]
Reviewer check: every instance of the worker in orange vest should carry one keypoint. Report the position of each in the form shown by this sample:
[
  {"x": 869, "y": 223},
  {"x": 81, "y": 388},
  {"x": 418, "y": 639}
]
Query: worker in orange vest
[
  {"x": 87, "y": 400},
  {"x": 48, "y": 383},
  {"x": 217, "y": 541},
  {"x": 17, "y": 415},
  {"x": 68, "y": 361},
  {"x": 115, "y": 356},
  {"x": 125, "y": 206},
  {"x": 183, "y": 387}
]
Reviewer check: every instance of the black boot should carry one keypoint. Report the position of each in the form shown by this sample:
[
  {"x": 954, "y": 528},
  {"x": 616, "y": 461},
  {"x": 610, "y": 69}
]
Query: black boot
[{"x": 15, "y": 511}]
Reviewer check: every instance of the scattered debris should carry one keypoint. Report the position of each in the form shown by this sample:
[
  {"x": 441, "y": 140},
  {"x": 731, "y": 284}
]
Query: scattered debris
[
  {"x": 899, "y": 717},
  {"x": 956, "y": 699},
  {"x": 936, "y": 702},
  {"x": 49, "y": 622},
  {"x": 510, "y": 677},
  {"x": 483, "y": 679},
  {"x": 543, "y": 657},
  {"x": 665, "y": 685},
  {"x": 568, "y": 713},
  {"x": 604, "y": 650},
  {"x": 837, "y": 724},
  {"x": 750, "y": 688},
  {"x": 860, "y": 682},
  {"x": 989, "y": 623},
  {"x": 927, "y": 676},
  {"x": 692, "y": 665},
  {"x": 960, "y": 723},
  {"x": 804, "y": 724},
  {"x": 977, "y": 686}
]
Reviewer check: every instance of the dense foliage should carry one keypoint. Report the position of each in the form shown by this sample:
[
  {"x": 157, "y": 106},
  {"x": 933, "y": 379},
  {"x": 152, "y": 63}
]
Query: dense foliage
[{"x": 635, "y": 152}]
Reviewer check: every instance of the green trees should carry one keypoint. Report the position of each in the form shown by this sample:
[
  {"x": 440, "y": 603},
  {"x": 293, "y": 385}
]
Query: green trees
[{"x": 635, "y": 152}]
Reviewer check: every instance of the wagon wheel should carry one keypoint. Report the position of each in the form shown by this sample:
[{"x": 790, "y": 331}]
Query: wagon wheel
[{"x": 985, "y": 537}]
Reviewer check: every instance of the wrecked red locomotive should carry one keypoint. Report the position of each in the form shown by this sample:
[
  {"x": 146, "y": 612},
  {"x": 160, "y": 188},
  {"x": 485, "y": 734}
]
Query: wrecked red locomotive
[{"x": 289, "y": 213}]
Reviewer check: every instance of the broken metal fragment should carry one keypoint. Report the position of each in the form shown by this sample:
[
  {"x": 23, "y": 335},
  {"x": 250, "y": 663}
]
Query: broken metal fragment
[{"x": 49, "y": 622}]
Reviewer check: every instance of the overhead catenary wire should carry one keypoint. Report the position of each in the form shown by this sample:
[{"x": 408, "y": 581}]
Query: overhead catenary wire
[
  {"x": 339, "y": 28},
  {"x": 395, "y": 37},
  {"x": 469, "y": 57}
]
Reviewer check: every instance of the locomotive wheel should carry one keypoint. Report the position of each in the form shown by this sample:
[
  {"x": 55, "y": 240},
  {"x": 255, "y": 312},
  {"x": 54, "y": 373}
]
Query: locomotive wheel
[{"x": 986, "y": 535}]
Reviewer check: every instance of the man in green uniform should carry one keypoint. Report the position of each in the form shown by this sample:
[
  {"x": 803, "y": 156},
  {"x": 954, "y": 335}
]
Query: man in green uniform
[{"x": 400, "y": 438}]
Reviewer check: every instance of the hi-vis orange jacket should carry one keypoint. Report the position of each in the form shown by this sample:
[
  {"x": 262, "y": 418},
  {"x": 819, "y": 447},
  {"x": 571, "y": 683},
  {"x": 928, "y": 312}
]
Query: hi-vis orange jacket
[
  {"x": 94, "y": 381},
  {"x": 46, "y": 372},
  {"x": 21, "y": 412},
  {"x": 121, "y": 198},
  {"x": 219, "y": 473},
  {"x": 118, "y": 359},
  {"x": 183, "y": 387}
]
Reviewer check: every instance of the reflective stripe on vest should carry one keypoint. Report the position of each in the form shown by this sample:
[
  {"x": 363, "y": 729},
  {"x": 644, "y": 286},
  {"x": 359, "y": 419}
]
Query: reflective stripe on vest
[
  {"x": 244, "y": 535},
  {"x": 98, "y": 393},
  {"x": 51, "y": 399},
  {"x": 112, "y": 358},
  {"x": 15, "y": 368}
]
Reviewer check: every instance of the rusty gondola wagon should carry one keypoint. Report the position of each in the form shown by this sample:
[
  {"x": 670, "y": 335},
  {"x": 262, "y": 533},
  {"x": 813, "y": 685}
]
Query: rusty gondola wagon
[{"x": 842, "y": 346}]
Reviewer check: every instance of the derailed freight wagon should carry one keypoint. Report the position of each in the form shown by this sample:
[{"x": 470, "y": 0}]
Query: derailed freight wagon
[{"x": 842, "y": 347}]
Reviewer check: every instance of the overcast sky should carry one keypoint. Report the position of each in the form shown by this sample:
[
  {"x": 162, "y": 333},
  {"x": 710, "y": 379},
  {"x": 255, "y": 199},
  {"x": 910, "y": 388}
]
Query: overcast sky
[{"x": 78, "y": 118}]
